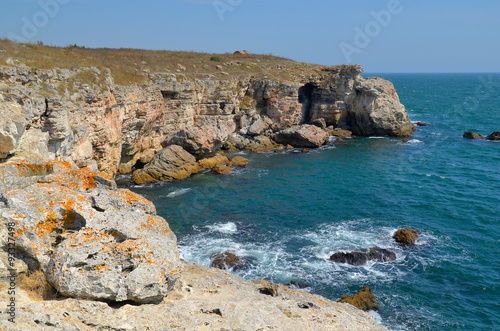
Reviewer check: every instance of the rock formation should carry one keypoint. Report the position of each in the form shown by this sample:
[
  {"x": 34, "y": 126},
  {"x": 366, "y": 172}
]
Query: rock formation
[
  {"x": 406, "y": 236},
  {"x": 361, "y": 257},
  {"x": 90, "y": 239},
  {"x": 471, "y": 135},
  {"x": 494, "y": 136},
  {"x": 82, "y": 116},
  {"x": 364, "y": 299}
]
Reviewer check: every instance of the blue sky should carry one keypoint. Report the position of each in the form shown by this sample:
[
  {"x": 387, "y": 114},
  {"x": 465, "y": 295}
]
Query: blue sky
[{"x": 409, "y": 36}]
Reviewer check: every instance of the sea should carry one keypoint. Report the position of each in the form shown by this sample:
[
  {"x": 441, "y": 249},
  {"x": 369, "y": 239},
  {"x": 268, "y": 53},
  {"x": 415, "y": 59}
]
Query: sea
[{"x": 286, "y": 213}]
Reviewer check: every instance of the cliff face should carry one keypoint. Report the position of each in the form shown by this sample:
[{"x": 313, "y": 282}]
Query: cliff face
[{"x": 82, "y": 116}]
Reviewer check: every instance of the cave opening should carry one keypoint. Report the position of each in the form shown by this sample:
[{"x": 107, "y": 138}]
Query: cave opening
[{"x": 305, "y": 98}]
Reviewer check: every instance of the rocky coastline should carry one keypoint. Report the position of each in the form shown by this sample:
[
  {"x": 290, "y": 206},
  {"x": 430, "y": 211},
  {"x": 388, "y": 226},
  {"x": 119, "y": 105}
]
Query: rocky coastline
[{"x": 110, "y": 261}]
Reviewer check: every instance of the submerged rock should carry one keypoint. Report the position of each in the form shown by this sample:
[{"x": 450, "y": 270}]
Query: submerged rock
[
  {"x": 226, "y": 261},
  {"x": 361, "y": 257},
  {"x": 172, "y": 162},
  {"x": 406, "y": 236},
  {"x": 364, "y": 299},
  {"x": 303, "y": 136},
  {"x": 421, "y": 124},
  {"x": 472, "y": 135}
]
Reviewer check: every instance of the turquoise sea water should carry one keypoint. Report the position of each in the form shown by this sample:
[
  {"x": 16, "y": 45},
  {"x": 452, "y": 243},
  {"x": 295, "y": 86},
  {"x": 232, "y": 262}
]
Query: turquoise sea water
[{"x": 287, "y": 213}]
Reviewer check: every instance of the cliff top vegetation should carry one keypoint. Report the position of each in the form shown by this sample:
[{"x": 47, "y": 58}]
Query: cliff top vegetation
[{"x": 131, "y": 65}]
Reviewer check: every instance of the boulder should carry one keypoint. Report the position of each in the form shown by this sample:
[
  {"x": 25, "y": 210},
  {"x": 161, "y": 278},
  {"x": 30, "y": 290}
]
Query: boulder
[
  {"x": 212, "y": 161},
  {"x": 361, "y": 257},
  {"x": 172, "y": 162},
  {"x": 319, "y": 122},
  {"x": 421, "y": 124},
  {"x": 494, "y": 136},
  {"x": 338, "y": 132},
  {"x": 12, "y": 126},
  {"x": 406, "y": 236},
  {"x": 221, "y": 169},
  {"x": 202, "y": 142},
  {"x": 302, "y": 136},
  {"x": 364, "y": 300},
  {"x": 471, "y": 135},
  {"x": 257, "y": 127},
  {"x": 239, "y": 161},
  {"x": 90, "y": 239},
  {"x": 226, "y": 261}
]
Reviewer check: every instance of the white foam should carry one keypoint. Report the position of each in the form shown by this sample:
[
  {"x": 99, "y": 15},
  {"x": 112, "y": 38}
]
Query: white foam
[
  {"x": 228, "y": 227},
  {"x": 176, "y": 193},
  {"x": 376, "y": 137},
  {"x": 376, "y": 316},
  {"x": 415, "y": 141}
]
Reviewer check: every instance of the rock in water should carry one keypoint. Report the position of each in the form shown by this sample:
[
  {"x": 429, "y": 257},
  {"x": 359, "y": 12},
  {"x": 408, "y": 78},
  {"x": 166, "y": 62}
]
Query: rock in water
[
  {"x": 472, "y": 135},
  {"x": 361, "y": 257},
  {"x": 172, "y": 162},
  {"x": 421, "y": 124},
  {"x": 364, "y": 300},
  {"x": 406, "y": 236},
  {"x": 221, "y": 169},
  {"x": 239, "y": 161},
  {"x": 202, "y": 142},
  {"x": 303, "y": 136},
  {"x": 226, "y": 261},
  {"x": 212, "y": 161},
  {"x": 376, "y": 110},
  {"x": 494, "y": 136}
]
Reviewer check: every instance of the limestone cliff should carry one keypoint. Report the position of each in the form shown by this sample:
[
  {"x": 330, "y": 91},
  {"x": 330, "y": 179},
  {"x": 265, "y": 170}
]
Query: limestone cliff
[{"x": 82, "y": 116}]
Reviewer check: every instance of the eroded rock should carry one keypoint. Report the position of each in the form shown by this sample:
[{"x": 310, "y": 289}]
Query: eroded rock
[
  {"x": 361, "y": 257},
  {"x": 364, "y": 299},
  {"x": 303, "y": 136},
  {"x": 406, "y": 236}
]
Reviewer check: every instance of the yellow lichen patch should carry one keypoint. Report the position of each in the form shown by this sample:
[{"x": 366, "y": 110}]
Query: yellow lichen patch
[
  {"x": 131, "y": 197},
  {"x": 155, "y": 224},
  {"x": 102, "y": 267}
]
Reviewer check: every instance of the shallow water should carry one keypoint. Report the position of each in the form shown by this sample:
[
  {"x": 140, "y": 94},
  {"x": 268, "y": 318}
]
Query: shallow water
[{"x": 287, "y": 213}]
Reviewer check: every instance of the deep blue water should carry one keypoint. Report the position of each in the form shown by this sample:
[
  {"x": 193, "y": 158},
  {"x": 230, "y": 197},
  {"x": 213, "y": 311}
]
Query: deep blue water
[{"x": 287, "y": 213}]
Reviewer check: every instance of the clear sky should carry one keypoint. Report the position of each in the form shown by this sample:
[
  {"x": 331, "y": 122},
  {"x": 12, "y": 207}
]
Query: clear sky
[{"x": 381, "y": 35}]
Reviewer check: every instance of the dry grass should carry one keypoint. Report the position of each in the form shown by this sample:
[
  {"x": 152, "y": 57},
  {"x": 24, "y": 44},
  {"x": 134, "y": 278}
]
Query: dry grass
[
  {"x": 36, "y": 286},
  {"x": 129, "y": 65}
]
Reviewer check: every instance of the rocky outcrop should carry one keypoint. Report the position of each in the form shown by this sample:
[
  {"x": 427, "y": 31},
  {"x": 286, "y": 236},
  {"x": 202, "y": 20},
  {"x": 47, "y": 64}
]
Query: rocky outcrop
[
  {"x": 91, "y": 121},
  {"x": 376, "y": 110},
  {"x": 12, "y": 127},
  {"x": 226, "y": 261},
  {"x": 172, "y": 162},
  {"x": 471, "y": 135},
  {"x": 361, "y": 257},
  {"x": 239, "y": 161},
  {"x": 406, "y": 236},
  {"x": 90, "y": 239},
  {"x": 302, "y": 136},
  {"x": 364, "y": 299},
  {"x": 494, "y": 136}
]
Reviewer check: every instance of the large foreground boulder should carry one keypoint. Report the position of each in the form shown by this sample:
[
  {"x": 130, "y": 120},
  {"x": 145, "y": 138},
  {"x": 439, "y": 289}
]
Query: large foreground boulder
[
  {"x": 361, "y": 257},
  {"x": 90, "y": 239},
  {"x": 172, "y": 162},
  {"x": 302, "y": 136},
  {"x": 364, "y": 300}
]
